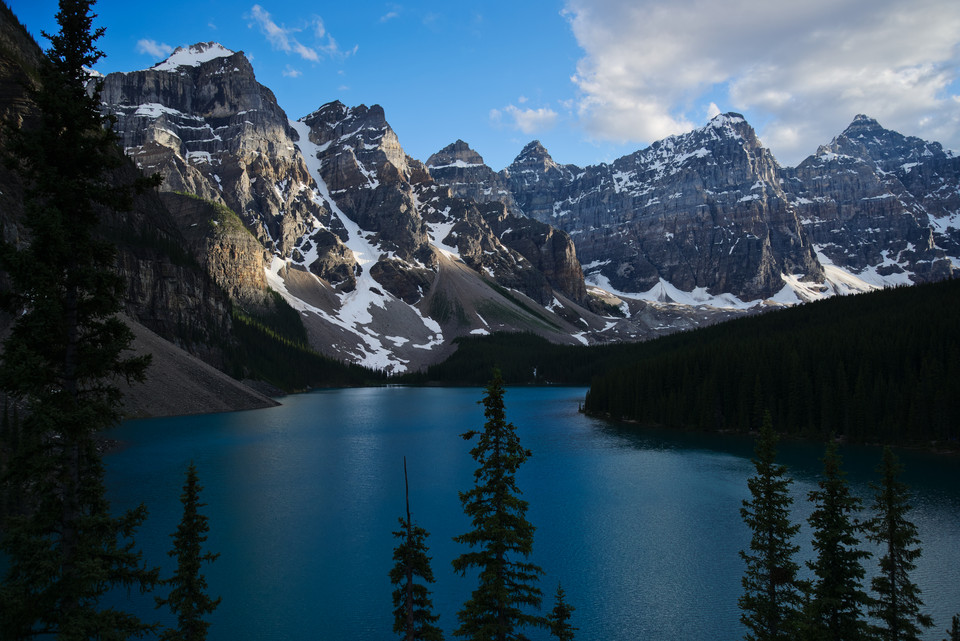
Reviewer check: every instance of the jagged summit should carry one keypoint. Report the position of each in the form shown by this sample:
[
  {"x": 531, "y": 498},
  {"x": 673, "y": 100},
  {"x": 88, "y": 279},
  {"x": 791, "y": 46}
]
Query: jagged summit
[
  {"x": 866, "y": 139},
  {"x": 729, "y": 118},
  {"x": 863, "y": 126},
  {"x": 457, "y": 154},
  {"x": 533, "y": 157},
  {"x": 193, "y": 56},
  {"x": 533, "y": 150},
  {"x": 358, "y": 117},
  {"x": 864, "y": 119},
  {"x": 462, "y": 170}
]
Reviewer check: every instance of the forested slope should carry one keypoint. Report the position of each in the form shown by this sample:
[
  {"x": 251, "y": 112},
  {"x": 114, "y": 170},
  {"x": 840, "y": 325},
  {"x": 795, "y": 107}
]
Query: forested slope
[{"x": 881, "y": 367}]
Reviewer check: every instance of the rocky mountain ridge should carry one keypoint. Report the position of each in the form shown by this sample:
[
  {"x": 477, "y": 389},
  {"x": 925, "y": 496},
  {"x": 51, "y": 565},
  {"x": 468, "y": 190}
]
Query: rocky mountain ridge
[
  {"x": 353, "y": 232},
  {"x": 691, "y": 229},
  {"x": 388, "y": 259},
  {"x": 711, "y": 216},
  {"x": 881, "y": 205}
]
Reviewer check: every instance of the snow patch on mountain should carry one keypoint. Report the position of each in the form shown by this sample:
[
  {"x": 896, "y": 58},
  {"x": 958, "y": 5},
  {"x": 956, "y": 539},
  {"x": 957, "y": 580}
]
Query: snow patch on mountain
[
  {"x": 438, "y": 232},
  {"x": 664, "y": 292},
  {"x": 359, "y": 307},
  {"x": 193, "y": 56}
]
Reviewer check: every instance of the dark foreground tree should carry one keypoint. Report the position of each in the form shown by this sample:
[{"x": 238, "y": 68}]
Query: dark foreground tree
[
  {"x": 188, "y": 598},
  {"x": 558, "y": 621},
  {"x": 501, "y": 538},
  {"x": 772, "y": 594},
  {"x": 64, "y": 549},
  {"x": 897, "y": 601},
  {"x": 953, "y": 633},
  {"x": 837, "y": 600},
  {"x": 413, "y": 616}
]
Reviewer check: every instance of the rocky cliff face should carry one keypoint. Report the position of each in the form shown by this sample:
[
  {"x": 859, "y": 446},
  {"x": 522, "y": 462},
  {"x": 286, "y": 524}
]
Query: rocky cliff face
[
  {"x": 229, "y": 252},
  {"x": 376, "y": 185},
  {"x": 333, "y": 195},
  {"x": 369, "y": 176},
  {"x": 462, "y": 170},
  {"x": 203, "y": 122},
  {"x": 551, "y": 252},
  {"x": 703, "y": 210},
  {"x": 880, "y": 205},
  {"x": 167, "y": 290},
  {"x": 712, "y": 213}
]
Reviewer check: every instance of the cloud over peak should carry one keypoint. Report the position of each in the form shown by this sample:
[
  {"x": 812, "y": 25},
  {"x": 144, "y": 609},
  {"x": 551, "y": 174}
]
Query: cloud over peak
[
  {"x": 154, "y": 48},
  {"x": 652, "y": 68},
  {"x": 285, "y": 39},
  {"x": 529, "y": 121}
]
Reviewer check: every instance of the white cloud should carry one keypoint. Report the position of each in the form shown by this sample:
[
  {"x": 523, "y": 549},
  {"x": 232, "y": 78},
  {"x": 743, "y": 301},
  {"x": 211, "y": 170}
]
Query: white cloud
[
  {"x": 290, "y": 72},
  {"x": 285, "y": 39},
  {"x": 804, "y": 69},
  {"x": 306, "y": 52},
  {"x": 529, "y": 121},
  {"x": 154, "y": 48}
]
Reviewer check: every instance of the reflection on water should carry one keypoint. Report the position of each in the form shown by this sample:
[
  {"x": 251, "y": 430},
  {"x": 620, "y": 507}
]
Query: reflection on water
[{"x": 641, "y": 526}]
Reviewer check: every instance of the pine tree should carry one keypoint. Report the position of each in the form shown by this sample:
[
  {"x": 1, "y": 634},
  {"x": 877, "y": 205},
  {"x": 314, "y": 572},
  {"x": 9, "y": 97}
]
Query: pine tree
[
  {"x": 498, "y": 609},
  {"x": 188, "y": 598},
  {"x": 558, "y": 621},
  {"x": 64, "y": 548},
  {"x": 897, "y": 603},
  {"x": 953, "y": 633},
  {"x": 772, "y": 594},
  {"x": 412, "y": 607},
  {"x": 835, "y": 608}
]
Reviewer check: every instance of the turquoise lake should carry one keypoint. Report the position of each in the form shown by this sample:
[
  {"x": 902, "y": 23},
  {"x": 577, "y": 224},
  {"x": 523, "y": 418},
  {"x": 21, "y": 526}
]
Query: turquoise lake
[{"x": 641, "y": 526}]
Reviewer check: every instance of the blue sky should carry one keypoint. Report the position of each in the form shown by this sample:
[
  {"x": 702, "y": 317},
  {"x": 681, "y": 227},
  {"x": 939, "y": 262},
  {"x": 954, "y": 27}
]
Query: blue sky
[{"x": 591, "y": 79}]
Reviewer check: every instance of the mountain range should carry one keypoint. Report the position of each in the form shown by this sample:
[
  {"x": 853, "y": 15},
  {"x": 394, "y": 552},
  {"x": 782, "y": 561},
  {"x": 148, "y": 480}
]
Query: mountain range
[{"x": 388, "y": 259}]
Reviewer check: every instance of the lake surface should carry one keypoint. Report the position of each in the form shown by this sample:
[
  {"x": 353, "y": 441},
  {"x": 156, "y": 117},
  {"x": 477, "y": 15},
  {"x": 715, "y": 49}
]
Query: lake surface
[{"x": 641, "y": 527}]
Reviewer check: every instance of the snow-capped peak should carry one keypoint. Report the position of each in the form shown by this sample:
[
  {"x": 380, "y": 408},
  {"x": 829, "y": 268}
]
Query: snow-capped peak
[
  {"x": 726, "y": 120},
  {"x": 193, "y": 56}
]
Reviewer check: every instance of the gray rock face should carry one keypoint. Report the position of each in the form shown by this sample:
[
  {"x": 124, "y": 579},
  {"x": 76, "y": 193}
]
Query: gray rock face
[
  {"x": 354, "y": 212},
  {"x": 210, "y": 129},
  {"x": 227, "y": 250},
  {"x": 368, "y": 174},
  {"x": 713, "y": 210},
  {"x": 701, "y": 210},
  {"x": 379, "y": 187},
  {"x": 880, "y": 204},
  {"x": 166, "y": 290},
  {"x": 462, "y": 170}
]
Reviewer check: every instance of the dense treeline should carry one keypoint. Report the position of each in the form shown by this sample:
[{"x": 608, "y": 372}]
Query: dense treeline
[
  {"x": 523, "y": 359},
  {"x": 881, "y": 367}
]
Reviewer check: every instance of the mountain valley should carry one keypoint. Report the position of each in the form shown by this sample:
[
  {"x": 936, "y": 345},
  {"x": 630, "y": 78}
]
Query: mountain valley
[{"x": 387, "y": 259}]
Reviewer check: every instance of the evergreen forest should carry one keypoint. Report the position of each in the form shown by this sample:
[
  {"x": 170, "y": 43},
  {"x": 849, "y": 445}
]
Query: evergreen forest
[{"x": 880, "y": 367}]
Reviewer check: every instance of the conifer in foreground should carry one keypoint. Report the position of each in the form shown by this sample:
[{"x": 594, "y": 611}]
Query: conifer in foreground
[
  {"x": 413, "y": 616},
  {"x": 897, "y": 603},
  {"x": 953, "y": 633},
  {"x": 834, "y": 611},
  {"x": 64, "y": 549},
  {"x": 501, "y": 538},
  {"x": 188, "y": 598},
  {"x": 558, "y": 621},
  {"x": 772, "y": 594}
]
